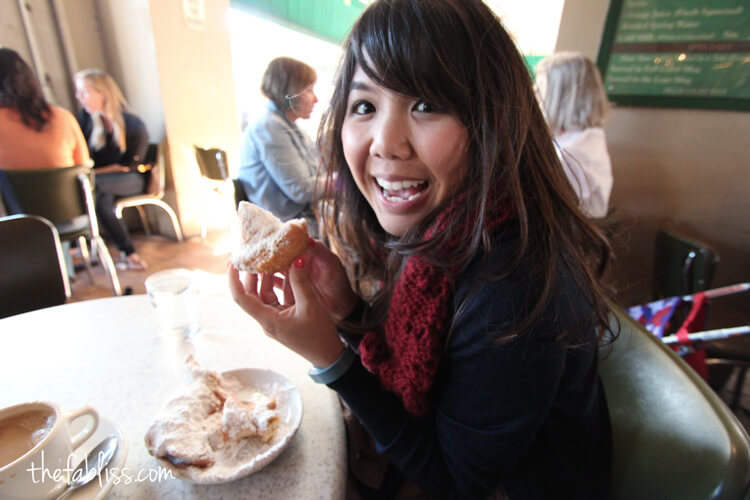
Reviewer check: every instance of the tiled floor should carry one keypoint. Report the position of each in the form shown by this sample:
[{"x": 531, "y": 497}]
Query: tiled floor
[{"x": 211, "y": 255}]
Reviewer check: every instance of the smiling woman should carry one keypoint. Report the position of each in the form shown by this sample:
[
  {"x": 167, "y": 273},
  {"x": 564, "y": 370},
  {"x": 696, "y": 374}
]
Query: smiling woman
[{"x": 472, "y": 364}]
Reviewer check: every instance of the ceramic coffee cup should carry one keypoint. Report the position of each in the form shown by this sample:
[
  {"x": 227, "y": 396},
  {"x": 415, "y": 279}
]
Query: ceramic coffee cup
[{"x": 36, "y": 448}]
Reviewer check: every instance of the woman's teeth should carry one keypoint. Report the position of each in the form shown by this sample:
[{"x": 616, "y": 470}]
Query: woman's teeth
[
  {"x": 399, "y": 191},
  {"x": 397, "y": 185}
]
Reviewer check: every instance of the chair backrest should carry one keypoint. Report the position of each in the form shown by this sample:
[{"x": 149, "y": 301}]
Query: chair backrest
[
  {"x": 32, "y": 269},
  {"x": 672, "y": 436},
  {"x": 157, "y": 179},
  {"x": 239, "y": 192},
  {"x": 212, "y": 163},
  {"x": 57, "y": 194},
  {"x": 683, "y": 266}
]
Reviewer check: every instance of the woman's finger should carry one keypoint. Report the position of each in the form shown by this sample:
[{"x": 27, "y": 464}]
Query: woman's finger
[
  {"x": 251, "y": 303},
  {"x": 250, "y": 282},
  {"x": 288, "y": 293},
  {"x": 302, "y": 289},
  {"x": 267, "y": 295}
]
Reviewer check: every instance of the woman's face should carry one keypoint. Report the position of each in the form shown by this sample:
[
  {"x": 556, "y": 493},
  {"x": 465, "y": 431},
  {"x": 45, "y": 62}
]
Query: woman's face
[
  {"x": 406, "y": 156},
  {"x": 303, "y": 103},
  {"x": 91, "y": 99}
]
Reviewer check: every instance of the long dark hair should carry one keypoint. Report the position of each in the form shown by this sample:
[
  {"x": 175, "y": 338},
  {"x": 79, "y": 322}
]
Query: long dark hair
[
  {"x": 456, "y": 55},
  {"x": 20, "y": 90}
]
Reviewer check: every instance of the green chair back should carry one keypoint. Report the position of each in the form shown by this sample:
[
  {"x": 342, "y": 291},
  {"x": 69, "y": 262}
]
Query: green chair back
[
  {"x": 239, "y": 192},
  {"x": 32, "y": 269},
  {"x": 52, "y": 193},
  {"x": 673, "y": 438},
  {"x": 212, "y": 163},
  {"x": 683, "y": 266}
]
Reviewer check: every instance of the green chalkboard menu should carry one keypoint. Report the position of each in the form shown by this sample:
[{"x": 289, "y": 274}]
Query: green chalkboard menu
[{"x": 677, "y": 53}]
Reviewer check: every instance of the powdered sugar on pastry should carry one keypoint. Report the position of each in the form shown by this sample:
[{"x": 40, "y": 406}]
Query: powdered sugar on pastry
[
  {"x": 213, "y": 427},
  {"x": 268, "y": 245}
]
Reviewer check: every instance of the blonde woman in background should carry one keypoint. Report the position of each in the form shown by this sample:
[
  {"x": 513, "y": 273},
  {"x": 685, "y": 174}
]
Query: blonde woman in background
[
  {"x": 117, "y": 141},
  {"x": 575, "y": 105}
]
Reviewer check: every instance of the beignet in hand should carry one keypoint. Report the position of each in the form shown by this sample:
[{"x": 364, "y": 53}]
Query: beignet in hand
[{"x": 268, "y": 245}]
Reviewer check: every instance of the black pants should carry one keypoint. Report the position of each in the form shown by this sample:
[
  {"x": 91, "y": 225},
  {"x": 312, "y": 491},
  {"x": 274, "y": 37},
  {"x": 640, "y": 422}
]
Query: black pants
[{"x": 109, "y": 187}]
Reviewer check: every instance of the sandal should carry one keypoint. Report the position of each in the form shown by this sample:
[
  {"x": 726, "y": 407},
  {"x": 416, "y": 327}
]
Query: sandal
[{"x": 135, "y": 263}]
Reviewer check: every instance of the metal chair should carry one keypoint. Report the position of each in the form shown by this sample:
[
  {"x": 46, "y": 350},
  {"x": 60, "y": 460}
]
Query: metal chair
[
  {"x": 672, "y": 435},
  {"x": 214, "y": 169},
  {"x": 32, "y": 267},
  {"x": 64, "y": 196},
  {"x": 154, "y": 159},
  {"x": 683, "y": 266}
]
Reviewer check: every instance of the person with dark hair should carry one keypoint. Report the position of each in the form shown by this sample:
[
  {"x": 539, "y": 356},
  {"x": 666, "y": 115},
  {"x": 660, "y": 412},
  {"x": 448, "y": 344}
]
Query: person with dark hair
[
  {"x": 575, "y": 104},
  {"x": 33, "y": 133},
  {"x": 118, "y": 141},
  {"x": 466, "y": 346},
  {"x": 278, "y": 162}
]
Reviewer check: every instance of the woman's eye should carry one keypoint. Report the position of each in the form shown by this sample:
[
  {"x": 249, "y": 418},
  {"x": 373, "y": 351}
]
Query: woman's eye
[
  {"x": 425, "y": 107},
  {"x": 362, "y": 108}
]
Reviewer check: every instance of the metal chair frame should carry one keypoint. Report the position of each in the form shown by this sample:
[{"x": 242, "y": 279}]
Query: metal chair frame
[{"x": 156, "y": 157}]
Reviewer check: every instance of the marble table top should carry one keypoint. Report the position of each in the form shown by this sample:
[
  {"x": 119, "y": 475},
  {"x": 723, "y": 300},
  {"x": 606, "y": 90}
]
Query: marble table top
[{"x": 109, "y": 353}]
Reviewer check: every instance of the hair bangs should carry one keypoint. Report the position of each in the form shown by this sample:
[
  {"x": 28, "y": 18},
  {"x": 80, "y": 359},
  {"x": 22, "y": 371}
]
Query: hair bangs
[{"x": 398, "y": 47}]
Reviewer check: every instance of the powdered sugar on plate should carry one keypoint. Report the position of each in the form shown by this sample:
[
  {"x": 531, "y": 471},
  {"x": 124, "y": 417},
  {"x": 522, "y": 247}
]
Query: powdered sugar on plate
[{"x": 236, "y": 459}]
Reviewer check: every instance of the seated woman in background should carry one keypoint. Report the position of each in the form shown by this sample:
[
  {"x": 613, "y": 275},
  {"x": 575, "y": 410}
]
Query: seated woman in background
[
  {"x": 33, "y": 133},
  {"x": 118, "y": 142},
  {"x": 278, "y": 161},
  {"x": 576, "y": 108}
]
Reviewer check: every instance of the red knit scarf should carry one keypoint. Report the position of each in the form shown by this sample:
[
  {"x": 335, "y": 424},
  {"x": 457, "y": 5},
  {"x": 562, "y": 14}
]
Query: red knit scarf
[{"x": 405, "y": 354}]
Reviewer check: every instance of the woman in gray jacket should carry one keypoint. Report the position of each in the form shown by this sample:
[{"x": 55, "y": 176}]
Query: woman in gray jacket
[{"x": 278, "y": 161}]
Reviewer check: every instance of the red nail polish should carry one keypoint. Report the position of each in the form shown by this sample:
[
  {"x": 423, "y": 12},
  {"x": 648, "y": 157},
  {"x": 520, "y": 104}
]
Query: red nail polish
[
  {"x": 299, "y": 262},
  {"x": 311, "y": 242}
]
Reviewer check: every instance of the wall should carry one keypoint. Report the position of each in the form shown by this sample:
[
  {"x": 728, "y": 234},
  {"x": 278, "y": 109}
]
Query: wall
[
  {"x": 686, "y": 167},
  {"x": 195, "y": 78},
  {"x": 39, "y": 46},
  {"x": 131, "y": 56}
]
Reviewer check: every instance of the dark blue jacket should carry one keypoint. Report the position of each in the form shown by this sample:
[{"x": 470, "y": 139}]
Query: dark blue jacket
[{"x": 528, "y": 415}]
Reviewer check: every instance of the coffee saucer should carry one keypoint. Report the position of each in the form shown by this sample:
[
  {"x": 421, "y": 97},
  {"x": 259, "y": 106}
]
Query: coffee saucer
[{"x": 99, "y": 487}]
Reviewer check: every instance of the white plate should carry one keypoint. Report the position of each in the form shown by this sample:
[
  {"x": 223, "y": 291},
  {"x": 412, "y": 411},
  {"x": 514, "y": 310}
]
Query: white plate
[
  {"x": 99, "y": 487},
  {"x": 243, "y": 383}
]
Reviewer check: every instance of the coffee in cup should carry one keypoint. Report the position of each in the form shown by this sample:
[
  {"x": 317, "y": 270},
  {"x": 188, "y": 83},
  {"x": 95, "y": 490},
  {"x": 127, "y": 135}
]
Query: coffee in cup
[
  {"x": 22, "y": 432},
  {"x": 36, "y": 448}
]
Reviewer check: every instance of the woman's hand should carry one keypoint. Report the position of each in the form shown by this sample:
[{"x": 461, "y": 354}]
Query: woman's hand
[
  {"x": 330, "y": 281},
  {"x": 301, "y": 323}
]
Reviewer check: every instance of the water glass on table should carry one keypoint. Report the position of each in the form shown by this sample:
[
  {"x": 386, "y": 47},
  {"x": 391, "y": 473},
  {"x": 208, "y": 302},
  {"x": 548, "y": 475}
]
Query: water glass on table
[{"x": 174, "y": 296}]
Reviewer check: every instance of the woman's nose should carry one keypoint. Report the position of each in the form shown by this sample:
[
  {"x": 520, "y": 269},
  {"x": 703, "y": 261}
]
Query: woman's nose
[{"x": 390, "y": 137}]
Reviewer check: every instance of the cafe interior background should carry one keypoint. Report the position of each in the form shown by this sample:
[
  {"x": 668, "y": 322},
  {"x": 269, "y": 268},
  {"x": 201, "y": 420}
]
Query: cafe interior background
[{"x": 191, "y": 69}]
